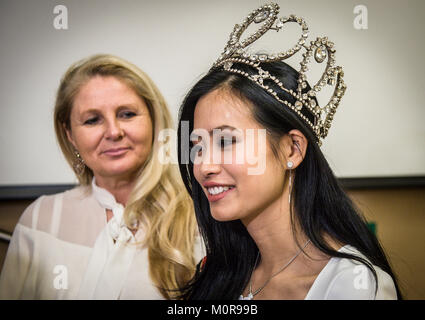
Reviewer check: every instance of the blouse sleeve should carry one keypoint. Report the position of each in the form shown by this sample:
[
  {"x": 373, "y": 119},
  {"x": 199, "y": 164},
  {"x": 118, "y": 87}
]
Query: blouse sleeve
[
  {"x": 358, "y": 283},
  {"x": 19, "y": 257}
]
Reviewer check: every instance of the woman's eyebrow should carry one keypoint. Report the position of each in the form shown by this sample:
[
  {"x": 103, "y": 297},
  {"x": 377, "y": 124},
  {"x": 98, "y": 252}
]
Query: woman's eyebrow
[
  {"x": 194, "y": 135},
  {"x": 222, "y": 127}
]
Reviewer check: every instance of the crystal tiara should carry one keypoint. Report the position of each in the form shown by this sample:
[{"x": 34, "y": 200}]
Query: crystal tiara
[{"x": 236, "y": 52}]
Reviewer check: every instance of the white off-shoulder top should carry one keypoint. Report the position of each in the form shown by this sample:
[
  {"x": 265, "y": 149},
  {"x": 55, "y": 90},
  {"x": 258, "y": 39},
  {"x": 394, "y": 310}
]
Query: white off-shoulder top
[{"x": 347, "y": 279}]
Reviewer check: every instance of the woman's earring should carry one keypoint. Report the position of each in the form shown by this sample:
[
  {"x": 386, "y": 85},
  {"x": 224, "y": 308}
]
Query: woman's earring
[
  {"x": 78, "y": 164},
  {"x": 290, "y": 164},
  {"x": 290, "y": 185}
]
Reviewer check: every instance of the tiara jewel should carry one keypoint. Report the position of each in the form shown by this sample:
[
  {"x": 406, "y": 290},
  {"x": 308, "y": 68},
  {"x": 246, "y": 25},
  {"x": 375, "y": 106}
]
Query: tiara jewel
[{"x": 321, "y": 50}]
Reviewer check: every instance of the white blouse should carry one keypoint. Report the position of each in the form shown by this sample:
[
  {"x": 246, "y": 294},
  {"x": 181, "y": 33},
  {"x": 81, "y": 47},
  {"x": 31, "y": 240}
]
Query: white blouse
[
  {"x": 347, "y": 279},
  {"x": 64, "y": 248}
]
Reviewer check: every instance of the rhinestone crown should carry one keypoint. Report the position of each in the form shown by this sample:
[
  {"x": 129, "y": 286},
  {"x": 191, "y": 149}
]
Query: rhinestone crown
[{"x": 322, "y": 49}]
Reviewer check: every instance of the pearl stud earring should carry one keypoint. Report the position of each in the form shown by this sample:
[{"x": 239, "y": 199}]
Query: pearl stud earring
[{"x": 290, "y": 164}]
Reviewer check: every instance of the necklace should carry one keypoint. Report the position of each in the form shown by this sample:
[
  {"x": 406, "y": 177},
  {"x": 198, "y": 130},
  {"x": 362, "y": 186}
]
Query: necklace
[{"x": 251, "y": 294}]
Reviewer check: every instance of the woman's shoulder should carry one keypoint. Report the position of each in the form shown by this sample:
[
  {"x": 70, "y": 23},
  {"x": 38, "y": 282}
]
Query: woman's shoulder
[
  {"x": 344, "y": 278},
  {"x": 39, "y": 213}
]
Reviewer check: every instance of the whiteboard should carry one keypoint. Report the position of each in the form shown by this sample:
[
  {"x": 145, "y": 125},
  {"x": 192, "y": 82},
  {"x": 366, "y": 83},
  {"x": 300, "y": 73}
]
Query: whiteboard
[{"x": 377, "y": 131}]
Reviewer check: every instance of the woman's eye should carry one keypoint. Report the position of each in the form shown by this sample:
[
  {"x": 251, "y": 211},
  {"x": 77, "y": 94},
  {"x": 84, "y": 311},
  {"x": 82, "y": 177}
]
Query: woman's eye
[
  {"x": 127, "y": 114},
  {"x": 91, "y": 121}
]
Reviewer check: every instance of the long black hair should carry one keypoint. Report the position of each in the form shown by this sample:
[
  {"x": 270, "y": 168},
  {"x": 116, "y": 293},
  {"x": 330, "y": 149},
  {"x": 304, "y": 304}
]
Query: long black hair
[{"x": 320, "y": 204}]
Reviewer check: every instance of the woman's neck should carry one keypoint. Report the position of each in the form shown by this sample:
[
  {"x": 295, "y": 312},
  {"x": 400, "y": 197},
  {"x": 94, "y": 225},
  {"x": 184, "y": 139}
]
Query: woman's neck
[
  {"x": 120, "y": 188},
  {"x": 272, "y": 232}
]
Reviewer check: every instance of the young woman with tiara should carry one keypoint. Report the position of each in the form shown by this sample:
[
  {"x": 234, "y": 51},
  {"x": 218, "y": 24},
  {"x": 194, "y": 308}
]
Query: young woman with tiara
[{"x": 288, "y": 231}]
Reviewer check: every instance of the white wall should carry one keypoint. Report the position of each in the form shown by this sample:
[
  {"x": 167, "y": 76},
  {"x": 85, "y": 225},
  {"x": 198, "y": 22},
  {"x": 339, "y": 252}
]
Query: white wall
[{"x": 378, "y": 129}]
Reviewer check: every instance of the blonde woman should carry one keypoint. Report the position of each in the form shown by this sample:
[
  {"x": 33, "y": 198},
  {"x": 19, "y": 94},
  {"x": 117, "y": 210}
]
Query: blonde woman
[{"x": 128, "y": 230}]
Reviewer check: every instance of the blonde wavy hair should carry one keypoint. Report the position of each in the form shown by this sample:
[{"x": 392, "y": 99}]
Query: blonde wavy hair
[{"x": 159, "y": 200}]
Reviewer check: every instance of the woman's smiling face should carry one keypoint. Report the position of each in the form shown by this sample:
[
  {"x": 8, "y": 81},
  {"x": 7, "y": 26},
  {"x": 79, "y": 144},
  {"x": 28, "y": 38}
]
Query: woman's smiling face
[
  {"x": 229, "y": 177},
  {"x": 111, "y": 128}
]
